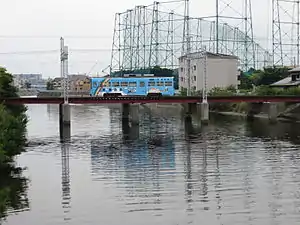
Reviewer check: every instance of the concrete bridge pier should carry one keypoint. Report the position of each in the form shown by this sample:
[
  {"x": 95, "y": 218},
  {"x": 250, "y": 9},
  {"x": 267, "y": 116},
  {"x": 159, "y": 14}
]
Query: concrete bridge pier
[
  {"x": 254, "y": 109},
  {"x": 64, "y": 121},
  {"x": 187, "y": 111},
  {"x": 204, "y": 109},
  {"x": 134, "y": 114},
  {"x": 272, "y": 112},
  {"x": 125, "y": 112},
  {"x": 131, "y": 113}
]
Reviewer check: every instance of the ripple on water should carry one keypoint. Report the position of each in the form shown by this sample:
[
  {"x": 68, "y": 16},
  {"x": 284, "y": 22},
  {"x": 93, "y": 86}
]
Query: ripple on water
[{"x": 228, "y": 172}]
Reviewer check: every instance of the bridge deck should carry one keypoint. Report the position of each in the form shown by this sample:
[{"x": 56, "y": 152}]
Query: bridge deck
[{"x": 135, "y": 99}]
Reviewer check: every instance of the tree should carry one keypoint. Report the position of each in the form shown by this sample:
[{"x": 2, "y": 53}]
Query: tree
[
  {"x": 13, "y": 121},
  {"x": 12, "y": 135},
  {"x": 8, "y": 90},
  {"x": 50, "y": 85},
  {"x": 27, "y": 85},
  {"x": 270, "y": 75}
]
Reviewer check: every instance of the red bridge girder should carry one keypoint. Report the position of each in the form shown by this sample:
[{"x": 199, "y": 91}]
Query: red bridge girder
[{"x": 132, "y": 99}]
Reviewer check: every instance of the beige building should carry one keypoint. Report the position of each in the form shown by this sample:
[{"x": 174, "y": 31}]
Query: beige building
[
  {"x": 77, "y": 83},
  {"x": 221, "y": 71}
]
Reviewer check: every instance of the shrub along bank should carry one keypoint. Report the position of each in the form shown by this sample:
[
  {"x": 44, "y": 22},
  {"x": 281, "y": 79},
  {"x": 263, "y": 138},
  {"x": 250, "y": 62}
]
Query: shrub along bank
[
  {"x": 13, "y": 121},
  {"x": 242, "y": 107}
]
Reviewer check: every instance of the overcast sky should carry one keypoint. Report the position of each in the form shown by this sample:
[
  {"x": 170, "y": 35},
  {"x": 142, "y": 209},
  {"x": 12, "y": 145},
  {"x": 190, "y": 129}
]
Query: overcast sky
[{"x": 44, "y": 21}]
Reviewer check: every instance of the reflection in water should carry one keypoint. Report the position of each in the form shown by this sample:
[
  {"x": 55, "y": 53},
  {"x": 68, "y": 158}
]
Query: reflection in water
[
  {"x": 163, "y": 172},
  {"x": 65, "y": 178},
  {"x": 13, "y": 191},
  {"x": 139, "y": 160},
  {"x": 281, "y": 131}
]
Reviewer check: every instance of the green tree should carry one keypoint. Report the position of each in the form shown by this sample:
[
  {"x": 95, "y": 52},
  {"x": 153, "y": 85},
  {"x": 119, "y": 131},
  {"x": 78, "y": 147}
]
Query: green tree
[
  {"x": 12, "y": 135},
  {"x": 27, "y": 85},
  {"x": 8, "y": 90},
  {"x": 13, "y": 121},
  {"x": 269, "y": 75},
  {"x": 50, "y": 85}
]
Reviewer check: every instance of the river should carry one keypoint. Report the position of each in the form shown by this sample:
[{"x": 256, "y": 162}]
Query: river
[{"x": 230, "y": 172}]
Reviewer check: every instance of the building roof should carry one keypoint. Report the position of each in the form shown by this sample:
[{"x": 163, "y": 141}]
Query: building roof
[
  {"x": 286, "y": 82},
  {"x": 71, "y": 78},
  {"x": 210, "y": 55},
  {"x": 57, "y": 79},
  {"x": 297, "y": 69}
]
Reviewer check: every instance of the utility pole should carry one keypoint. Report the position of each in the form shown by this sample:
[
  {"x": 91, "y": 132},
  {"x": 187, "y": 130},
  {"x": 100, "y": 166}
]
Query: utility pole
[
  {"x": 64, "y": 109},
  {"x": 64, "y": 68},
  {"x": 186, "y": 50},
  {"x": 204, "y": 82}
]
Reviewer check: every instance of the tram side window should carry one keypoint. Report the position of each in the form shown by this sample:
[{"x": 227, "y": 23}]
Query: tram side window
[
  {"x": 151, "y": 83},
  {"x": 107, "y": 84},
  {"x": 142, "y": 84},
  {"x": 115, "y": 84},
  {"x": 124, "y": 84},
  {"x": 95, "y": 84},
  {"x": 132, "y": 84},
  {"x": 169, "y": 83},
  {"x": 160, "y": 83}
]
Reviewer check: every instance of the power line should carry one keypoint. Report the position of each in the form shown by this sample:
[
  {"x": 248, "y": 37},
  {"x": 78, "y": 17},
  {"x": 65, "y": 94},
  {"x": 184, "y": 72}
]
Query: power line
[
  {"x": 30, "y": 52},
  {"x": 54, "y": 37},
  {"x": 53, "y": 51}
]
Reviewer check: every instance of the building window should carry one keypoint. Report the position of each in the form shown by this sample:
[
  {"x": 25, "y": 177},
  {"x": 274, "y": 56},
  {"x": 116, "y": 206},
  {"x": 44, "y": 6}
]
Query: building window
[
  {"x": 194, "y": 78},
  {"x": 194, "y": 67},
  {"x": 181, "y": 78},
  {"x": 181, "y": 69}
]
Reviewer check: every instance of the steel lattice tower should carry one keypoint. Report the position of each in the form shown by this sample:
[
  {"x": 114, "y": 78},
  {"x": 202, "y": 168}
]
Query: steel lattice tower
[
  {"x": 285, "y": 32},
  {"x": 157, "y": 35},
  {"x": 239, "y": 16}
]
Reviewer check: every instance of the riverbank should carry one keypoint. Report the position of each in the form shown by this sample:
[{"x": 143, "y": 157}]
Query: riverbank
[
  {"x": 259, "y": 116},
  {"x": 240, "y": 110}
]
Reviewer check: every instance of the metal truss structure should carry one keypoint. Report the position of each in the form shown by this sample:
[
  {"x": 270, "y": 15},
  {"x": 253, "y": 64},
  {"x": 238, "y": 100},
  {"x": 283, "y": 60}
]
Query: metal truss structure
[
  {"x": 285, "y": 32},
  {"x": 149, "y": 36}
]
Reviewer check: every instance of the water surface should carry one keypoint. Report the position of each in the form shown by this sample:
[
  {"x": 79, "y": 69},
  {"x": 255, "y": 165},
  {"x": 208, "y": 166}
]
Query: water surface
[{"x": 229, "y": 172}]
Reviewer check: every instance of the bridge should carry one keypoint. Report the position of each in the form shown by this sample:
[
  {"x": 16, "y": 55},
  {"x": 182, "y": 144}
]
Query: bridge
[
  {"x": 144, "y": 100},
  {"x": 130, "y": 105}
]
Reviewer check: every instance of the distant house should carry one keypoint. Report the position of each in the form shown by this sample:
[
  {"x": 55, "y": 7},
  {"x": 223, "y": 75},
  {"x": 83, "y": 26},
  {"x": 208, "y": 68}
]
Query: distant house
[
  {"x": 293, "y": 80},
  {"x": 57, "y": 83},
  {"x": 76, "y": 83},
  {"x": 28, "y": 80}
]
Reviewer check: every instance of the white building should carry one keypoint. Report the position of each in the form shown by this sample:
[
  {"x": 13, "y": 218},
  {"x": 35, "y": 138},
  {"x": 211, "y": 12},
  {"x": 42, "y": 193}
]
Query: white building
[
  {"x": 33, "y": 79},
  {"x": 221, "y": 71}
]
